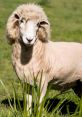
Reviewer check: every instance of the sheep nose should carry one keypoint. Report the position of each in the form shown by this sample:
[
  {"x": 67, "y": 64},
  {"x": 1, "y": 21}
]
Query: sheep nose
[{"x": 29, "y": 40}]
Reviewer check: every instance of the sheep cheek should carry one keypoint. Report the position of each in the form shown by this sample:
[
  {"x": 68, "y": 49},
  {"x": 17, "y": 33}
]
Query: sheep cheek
[
  {"x": 42, "y": 34},
  {"x": 12, "y": 32},
  {"x": 13, "y": 36}
]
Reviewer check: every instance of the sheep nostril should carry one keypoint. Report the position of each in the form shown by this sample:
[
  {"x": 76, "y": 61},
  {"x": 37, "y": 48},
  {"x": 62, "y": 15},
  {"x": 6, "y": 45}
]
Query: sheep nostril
[{"x": 29, "y": 40}]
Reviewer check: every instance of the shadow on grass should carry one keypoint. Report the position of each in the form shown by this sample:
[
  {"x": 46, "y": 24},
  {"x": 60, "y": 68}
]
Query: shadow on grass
[
  {"x": 50, "y": 104},
  {"x": 64, "y": 107},
  {"x": 13, "y": 102}
]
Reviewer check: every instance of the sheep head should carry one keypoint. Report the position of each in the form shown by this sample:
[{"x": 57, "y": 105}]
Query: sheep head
[{"x": 27, "y": 24}]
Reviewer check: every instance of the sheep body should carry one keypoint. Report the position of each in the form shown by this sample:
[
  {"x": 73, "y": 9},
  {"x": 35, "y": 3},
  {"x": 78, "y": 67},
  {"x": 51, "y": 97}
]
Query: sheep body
[
  {"x": 66, "y": 58},
  {"x": 60, "y": 62}
]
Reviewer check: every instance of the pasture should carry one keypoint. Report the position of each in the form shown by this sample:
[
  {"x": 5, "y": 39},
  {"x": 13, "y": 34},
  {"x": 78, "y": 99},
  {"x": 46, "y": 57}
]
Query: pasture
[{"x": 65, "y": 17}]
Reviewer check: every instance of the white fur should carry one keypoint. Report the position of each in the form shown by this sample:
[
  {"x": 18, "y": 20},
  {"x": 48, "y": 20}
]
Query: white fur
[{"x": 28, "y": 31}]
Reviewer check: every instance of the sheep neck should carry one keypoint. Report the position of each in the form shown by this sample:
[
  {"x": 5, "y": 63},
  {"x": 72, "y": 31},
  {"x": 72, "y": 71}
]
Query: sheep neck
[
  {"x": 36, "y": 51},
  {"x": 26, "y": 54},
  {"x": 39, "y": 49}
]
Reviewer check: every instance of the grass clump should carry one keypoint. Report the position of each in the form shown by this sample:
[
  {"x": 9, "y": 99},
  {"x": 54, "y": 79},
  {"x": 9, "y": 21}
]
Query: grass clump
[{"x": 16, "y": 106}]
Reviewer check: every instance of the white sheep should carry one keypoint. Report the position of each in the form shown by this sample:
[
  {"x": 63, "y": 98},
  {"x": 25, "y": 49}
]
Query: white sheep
[{"x": 28, "y": 31}]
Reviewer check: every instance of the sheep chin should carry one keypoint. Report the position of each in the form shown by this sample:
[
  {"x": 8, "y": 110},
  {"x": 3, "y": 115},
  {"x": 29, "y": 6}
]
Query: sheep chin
[
  {"x": 28, "y": 44},
  {"x": 24, "y": 44}
]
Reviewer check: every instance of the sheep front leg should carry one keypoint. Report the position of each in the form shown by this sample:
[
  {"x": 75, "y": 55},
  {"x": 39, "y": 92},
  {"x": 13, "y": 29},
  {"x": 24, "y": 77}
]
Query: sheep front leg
[
  {"x": 29, "y": 103},
  {"x": 43, "y": 90}
]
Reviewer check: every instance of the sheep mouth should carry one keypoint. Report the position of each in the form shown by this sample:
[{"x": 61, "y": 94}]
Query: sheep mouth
[
  {"x": 29, "y": 44},
  {"x": 22, "y": 43}
]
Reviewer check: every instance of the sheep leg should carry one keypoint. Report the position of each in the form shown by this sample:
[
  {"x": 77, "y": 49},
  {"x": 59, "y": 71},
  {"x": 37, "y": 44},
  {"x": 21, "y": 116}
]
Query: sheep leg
[
  {"x": 29, "y": 103},
  {"x": 43, "y": 90}
]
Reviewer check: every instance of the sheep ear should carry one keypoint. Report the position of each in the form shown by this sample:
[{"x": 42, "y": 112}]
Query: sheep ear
[
  {"x": 12, "y": 29},
  {"x": 43, "y": 23},
  {"x": 16, "y": 16}
]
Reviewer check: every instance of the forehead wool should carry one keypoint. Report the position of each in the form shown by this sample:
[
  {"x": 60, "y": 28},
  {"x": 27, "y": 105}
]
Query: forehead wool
[{"x": 31, "y": 11}]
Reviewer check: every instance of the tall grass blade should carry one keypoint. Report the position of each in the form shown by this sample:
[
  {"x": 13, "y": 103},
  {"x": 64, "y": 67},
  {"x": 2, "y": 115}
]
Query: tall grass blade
[
  {"x": 57, "y": 106},
  {"x": 16, "y": 97},
  {"x": 80, "y": 111},
  {"x": 8, "y": 95}
]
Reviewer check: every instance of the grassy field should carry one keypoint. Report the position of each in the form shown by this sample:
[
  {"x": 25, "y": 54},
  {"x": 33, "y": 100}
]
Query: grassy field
[{"x": 65, "y": 17}]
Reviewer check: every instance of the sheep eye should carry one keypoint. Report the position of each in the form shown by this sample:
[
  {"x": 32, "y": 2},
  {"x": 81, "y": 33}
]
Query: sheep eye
[
  {"x": 21, "y": 21},
  {"x": 38, "y": 25}
]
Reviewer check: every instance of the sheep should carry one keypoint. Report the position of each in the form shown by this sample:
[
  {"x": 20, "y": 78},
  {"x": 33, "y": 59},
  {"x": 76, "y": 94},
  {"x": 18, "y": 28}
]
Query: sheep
[{"x": 28, "y": 31}]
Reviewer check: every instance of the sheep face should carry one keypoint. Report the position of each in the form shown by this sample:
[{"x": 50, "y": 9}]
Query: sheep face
[
  {"x": 29, "y": 22},
  {"x": 30, "y": 30}
]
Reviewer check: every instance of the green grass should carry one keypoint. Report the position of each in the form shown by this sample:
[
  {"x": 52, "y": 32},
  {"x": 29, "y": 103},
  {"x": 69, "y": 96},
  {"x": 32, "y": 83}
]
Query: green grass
[
  {"x": 16, "y": 106},
  {"x": 65, "y": 17}
]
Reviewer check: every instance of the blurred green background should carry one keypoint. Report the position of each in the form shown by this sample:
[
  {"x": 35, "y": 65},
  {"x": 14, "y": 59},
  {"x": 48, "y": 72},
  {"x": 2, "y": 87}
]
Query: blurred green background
[{"x": 65, "y": 17}]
